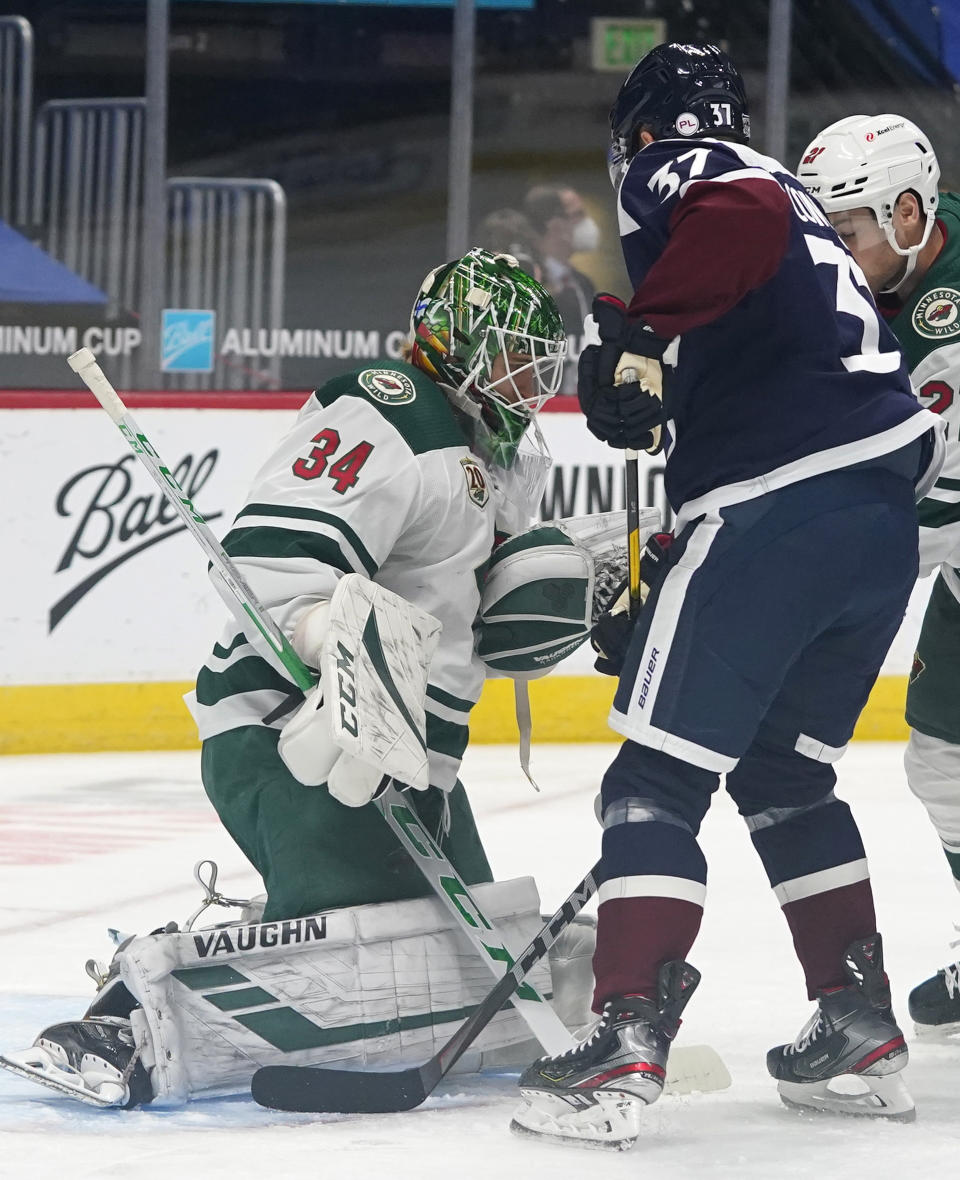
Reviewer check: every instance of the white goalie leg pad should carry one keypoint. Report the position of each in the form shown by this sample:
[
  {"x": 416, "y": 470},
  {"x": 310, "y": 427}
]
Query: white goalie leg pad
[
  {"x": 571, "y": 972},
  {"x": 373, "y": 666},
  {"x": 371, "y": 985},
  {"x": 571, "y": 978}
]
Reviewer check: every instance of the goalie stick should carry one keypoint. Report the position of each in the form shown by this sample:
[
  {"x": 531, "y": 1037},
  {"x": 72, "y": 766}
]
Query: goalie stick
[
  {"x": 345, "y": 1091},
  {"x": 234, "y": 591},
  {"x": 326, "y": 1090},
  {"x": 542, "y": 1020}
]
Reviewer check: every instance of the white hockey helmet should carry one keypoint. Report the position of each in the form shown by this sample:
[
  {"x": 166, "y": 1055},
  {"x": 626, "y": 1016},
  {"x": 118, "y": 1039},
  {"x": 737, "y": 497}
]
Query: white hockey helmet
[{"x": 867, "y": 161}]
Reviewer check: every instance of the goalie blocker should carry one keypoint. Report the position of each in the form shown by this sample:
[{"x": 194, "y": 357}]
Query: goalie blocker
[{"x": 365, "y": 721}]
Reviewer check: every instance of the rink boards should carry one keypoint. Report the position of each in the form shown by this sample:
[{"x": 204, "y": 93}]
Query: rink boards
[{"x": 107, "y": 612}]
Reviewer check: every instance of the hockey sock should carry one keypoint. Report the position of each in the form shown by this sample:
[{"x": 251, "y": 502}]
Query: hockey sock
[
  {"x": 815, "y": 861},
  {"x": 651, "y": 902},
  {"x": 824, "y": 925}
]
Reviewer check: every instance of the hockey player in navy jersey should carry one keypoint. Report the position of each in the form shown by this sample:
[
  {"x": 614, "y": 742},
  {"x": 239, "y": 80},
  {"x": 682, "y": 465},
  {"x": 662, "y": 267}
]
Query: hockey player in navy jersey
[{"x": 752, "y": 354}]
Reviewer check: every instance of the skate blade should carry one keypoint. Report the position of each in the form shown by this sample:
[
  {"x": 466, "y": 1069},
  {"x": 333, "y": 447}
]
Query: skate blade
[
  {"x": 695, "y": 1069},
  {"x": 852, "y": 1095},
  {"x": 944, "y": 1034},
  {"x": 37, "y": 1066},
  {"x": 609, "y": 1120}
]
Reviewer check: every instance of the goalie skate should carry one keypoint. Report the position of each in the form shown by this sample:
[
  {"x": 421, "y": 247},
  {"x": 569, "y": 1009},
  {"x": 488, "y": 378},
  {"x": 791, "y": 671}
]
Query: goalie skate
[
  {"x": 94, "y": 1061},
  {"x": 847, "y": 1059},
  {"x": 594, "y": 1095}
]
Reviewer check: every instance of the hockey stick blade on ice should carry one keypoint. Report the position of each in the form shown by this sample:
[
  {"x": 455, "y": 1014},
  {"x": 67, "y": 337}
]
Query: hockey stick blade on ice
[
  {"x": 344, "y": 1091},
  {"x": 323, "y": 1090}
]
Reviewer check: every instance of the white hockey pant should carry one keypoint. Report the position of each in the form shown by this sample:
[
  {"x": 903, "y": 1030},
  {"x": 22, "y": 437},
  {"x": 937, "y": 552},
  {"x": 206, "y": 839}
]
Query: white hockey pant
[{"x": 933, "y": 774}]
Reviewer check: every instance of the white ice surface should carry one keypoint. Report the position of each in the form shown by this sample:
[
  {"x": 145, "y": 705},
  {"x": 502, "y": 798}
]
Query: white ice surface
[{"x": 89, "y": 842}]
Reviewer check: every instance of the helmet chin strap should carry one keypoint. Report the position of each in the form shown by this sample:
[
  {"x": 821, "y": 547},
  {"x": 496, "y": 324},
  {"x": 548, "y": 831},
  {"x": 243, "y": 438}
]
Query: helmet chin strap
[
  {"x": 461, "y": 398},
  {"x": 907, "y": 272},
  {"x": 910, "y": 253},
  {"x": 461, "y": 394}
]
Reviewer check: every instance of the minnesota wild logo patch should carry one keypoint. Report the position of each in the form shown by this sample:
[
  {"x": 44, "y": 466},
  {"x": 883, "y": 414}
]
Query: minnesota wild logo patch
[
  {"x": 477, "y": 488},
  {"x": 918, "y": 668},
  {"x": 387, "y": 386},
  {"x": 938, "y": 313}
]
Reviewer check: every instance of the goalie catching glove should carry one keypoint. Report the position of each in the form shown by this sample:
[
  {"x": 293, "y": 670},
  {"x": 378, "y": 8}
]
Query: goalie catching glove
[
  {"x": 620, "y": 381},
  {"x": 547, "y": 587},
  {"x": 613, "y": 630}
]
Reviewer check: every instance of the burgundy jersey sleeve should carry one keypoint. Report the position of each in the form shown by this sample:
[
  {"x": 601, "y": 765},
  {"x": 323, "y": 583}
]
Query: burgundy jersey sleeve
[{"x": 725, "y": 239}]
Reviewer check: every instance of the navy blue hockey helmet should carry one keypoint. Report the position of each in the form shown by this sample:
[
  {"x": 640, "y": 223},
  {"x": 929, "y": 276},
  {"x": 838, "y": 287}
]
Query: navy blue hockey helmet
[{"x": 677, "y": 90}]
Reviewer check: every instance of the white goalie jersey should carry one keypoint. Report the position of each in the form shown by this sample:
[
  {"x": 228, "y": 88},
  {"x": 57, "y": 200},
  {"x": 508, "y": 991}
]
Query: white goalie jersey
[{"x": 376, "y": 478}]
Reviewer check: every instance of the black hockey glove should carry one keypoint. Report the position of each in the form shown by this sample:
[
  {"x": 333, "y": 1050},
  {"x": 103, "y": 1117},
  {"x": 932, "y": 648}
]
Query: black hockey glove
[
  {"x": 610, "y": 639},
  {"x": 619, "y": 381},
  {"x": 613, "y": 630}
]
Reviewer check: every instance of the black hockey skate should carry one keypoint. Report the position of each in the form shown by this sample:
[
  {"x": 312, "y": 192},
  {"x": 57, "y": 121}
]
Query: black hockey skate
[
  {"x": 935, "y": 1005},
  {"x": 848, "y": 1058},
  {"x": 94, "y": 1060},
  {"x": 593, "y": 1095}
]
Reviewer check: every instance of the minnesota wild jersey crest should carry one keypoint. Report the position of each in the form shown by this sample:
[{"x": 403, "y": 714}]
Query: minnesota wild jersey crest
[
  {"x": 389, "y": 386},
  {"x": 937, "y": 315}
]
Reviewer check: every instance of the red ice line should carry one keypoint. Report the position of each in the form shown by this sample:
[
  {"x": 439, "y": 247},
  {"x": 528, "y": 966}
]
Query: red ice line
[{"x": 28, "y": 837}]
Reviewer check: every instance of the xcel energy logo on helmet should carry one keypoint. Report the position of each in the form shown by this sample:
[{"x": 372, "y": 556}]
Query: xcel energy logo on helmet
[
  {"x": 871, "y": 136},
  {"x": 938, "y": 313}
]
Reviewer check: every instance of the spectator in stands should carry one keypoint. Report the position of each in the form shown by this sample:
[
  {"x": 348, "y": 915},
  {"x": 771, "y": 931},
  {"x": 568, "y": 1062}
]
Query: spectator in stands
[
  {"x": 563, "y": 227},
  {"x": 508, "y": 231}
]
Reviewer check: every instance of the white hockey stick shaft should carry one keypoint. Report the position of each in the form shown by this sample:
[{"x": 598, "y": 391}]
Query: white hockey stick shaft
[
  {"x": 239, "y": 597},
  {"x": 539, "y": 1016}
]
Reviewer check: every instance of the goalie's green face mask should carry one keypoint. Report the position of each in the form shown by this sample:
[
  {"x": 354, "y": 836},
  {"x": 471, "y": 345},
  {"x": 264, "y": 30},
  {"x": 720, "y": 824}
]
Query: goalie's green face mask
[{"x": 493, "y": 338}]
